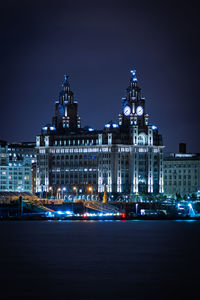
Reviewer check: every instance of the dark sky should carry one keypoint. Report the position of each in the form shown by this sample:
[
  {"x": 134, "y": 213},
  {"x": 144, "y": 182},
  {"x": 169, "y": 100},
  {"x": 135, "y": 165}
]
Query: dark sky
[{"x": 98, "y": 43}]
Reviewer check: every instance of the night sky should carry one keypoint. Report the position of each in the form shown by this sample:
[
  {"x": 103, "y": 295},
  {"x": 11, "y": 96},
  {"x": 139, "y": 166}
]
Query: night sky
[{"x": 98, "y": 43}]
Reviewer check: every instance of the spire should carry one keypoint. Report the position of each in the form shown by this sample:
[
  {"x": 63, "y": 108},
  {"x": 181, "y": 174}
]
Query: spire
[
  {"x": 133, "y": 91},
  {"x": 66, "y": 77},
  {"x": 66, "y": 84},
  {"x": 66, "y": 94}
]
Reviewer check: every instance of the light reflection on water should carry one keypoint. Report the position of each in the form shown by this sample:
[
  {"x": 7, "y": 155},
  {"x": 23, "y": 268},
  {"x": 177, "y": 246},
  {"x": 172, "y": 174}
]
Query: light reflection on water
[
  {"x": 93, "y": 258},
  {"x": 189, "y": 221},
  {"x": 87, "y": 221},
  {"x": 121, "y": 221}
]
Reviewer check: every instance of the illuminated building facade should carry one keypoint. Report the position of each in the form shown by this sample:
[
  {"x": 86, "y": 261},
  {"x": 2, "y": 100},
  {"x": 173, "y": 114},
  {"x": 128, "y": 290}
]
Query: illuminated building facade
[
  {"x": 182, "y": 173},
  {"x": 127, "y": 156},
  {"x": 15, "y": 170},
  {"x": 23, "y": 150}
]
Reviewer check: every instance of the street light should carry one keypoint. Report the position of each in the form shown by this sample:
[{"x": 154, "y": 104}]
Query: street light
[
  {"x": 51, "y": 191},
  {"x": 63, "y": 190},
  {"x": 90, "y": 189},
  {"x": 58, "y": 193},
  {"x": 75, "y": 189}
]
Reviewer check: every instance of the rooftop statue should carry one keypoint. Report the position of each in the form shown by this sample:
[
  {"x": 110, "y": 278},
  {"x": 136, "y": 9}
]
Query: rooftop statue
[{"x": 133, "y": 72}]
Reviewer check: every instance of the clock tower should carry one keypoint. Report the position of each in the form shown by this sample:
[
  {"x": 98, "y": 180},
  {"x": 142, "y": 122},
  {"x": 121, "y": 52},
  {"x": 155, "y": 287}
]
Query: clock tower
[
  {"x": 133, "y": 105},
  {"x": 135, "y": 129}
]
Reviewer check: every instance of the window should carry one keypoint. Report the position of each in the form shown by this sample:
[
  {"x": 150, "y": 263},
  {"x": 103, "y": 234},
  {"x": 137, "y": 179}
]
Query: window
[{"x": 142, "y": 139}]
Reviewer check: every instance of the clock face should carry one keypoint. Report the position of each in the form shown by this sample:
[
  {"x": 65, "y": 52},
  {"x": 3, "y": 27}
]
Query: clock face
[
  {"x": 127, "y": 110},
  {"x": 139, "y": 111}
]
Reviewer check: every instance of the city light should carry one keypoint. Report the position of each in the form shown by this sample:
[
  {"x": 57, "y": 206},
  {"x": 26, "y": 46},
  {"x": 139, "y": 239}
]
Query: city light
[
  {"x": 84, "y": 162},
  {"x": 68, "y": 212}
]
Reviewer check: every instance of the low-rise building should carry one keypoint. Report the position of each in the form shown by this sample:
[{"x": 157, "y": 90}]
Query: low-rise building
[
  {"x": 182, "y": 173},
  {"x": 15, "y": 170},
  {"x": 22, "y": 149}
]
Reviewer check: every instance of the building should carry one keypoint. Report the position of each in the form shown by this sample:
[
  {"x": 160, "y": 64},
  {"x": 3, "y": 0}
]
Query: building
[
  {"x": 20, "y": 151},
  {"x": 182, "y": 173},
  {"x": 127, "y": 156},
  {"x": 15, "y": 170},
  {"x": 3, "y": 153}
]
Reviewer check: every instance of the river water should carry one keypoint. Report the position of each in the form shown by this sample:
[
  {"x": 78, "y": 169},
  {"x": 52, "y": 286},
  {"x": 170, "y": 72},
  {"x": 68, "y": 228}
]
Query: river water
[{"x": 99, "y": 260}]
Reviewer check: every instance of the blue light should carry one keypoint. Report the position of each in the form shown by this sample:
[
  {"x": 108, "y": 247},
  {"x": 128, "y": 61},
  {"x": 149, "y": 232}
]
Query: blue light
[
  {"x": 134, "y": 78},
  {"x": 154, "y": 127},
  {"x": 91, "y": 129},
  {"x": 115, "y": 125},
  {"x": 48, "y": 127},
  {"x": 60, "y": 212},
  {"x": 107, "y": 125},
  {"x": 133, "y": 72},
  {"x": 49, "y": 214}
]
